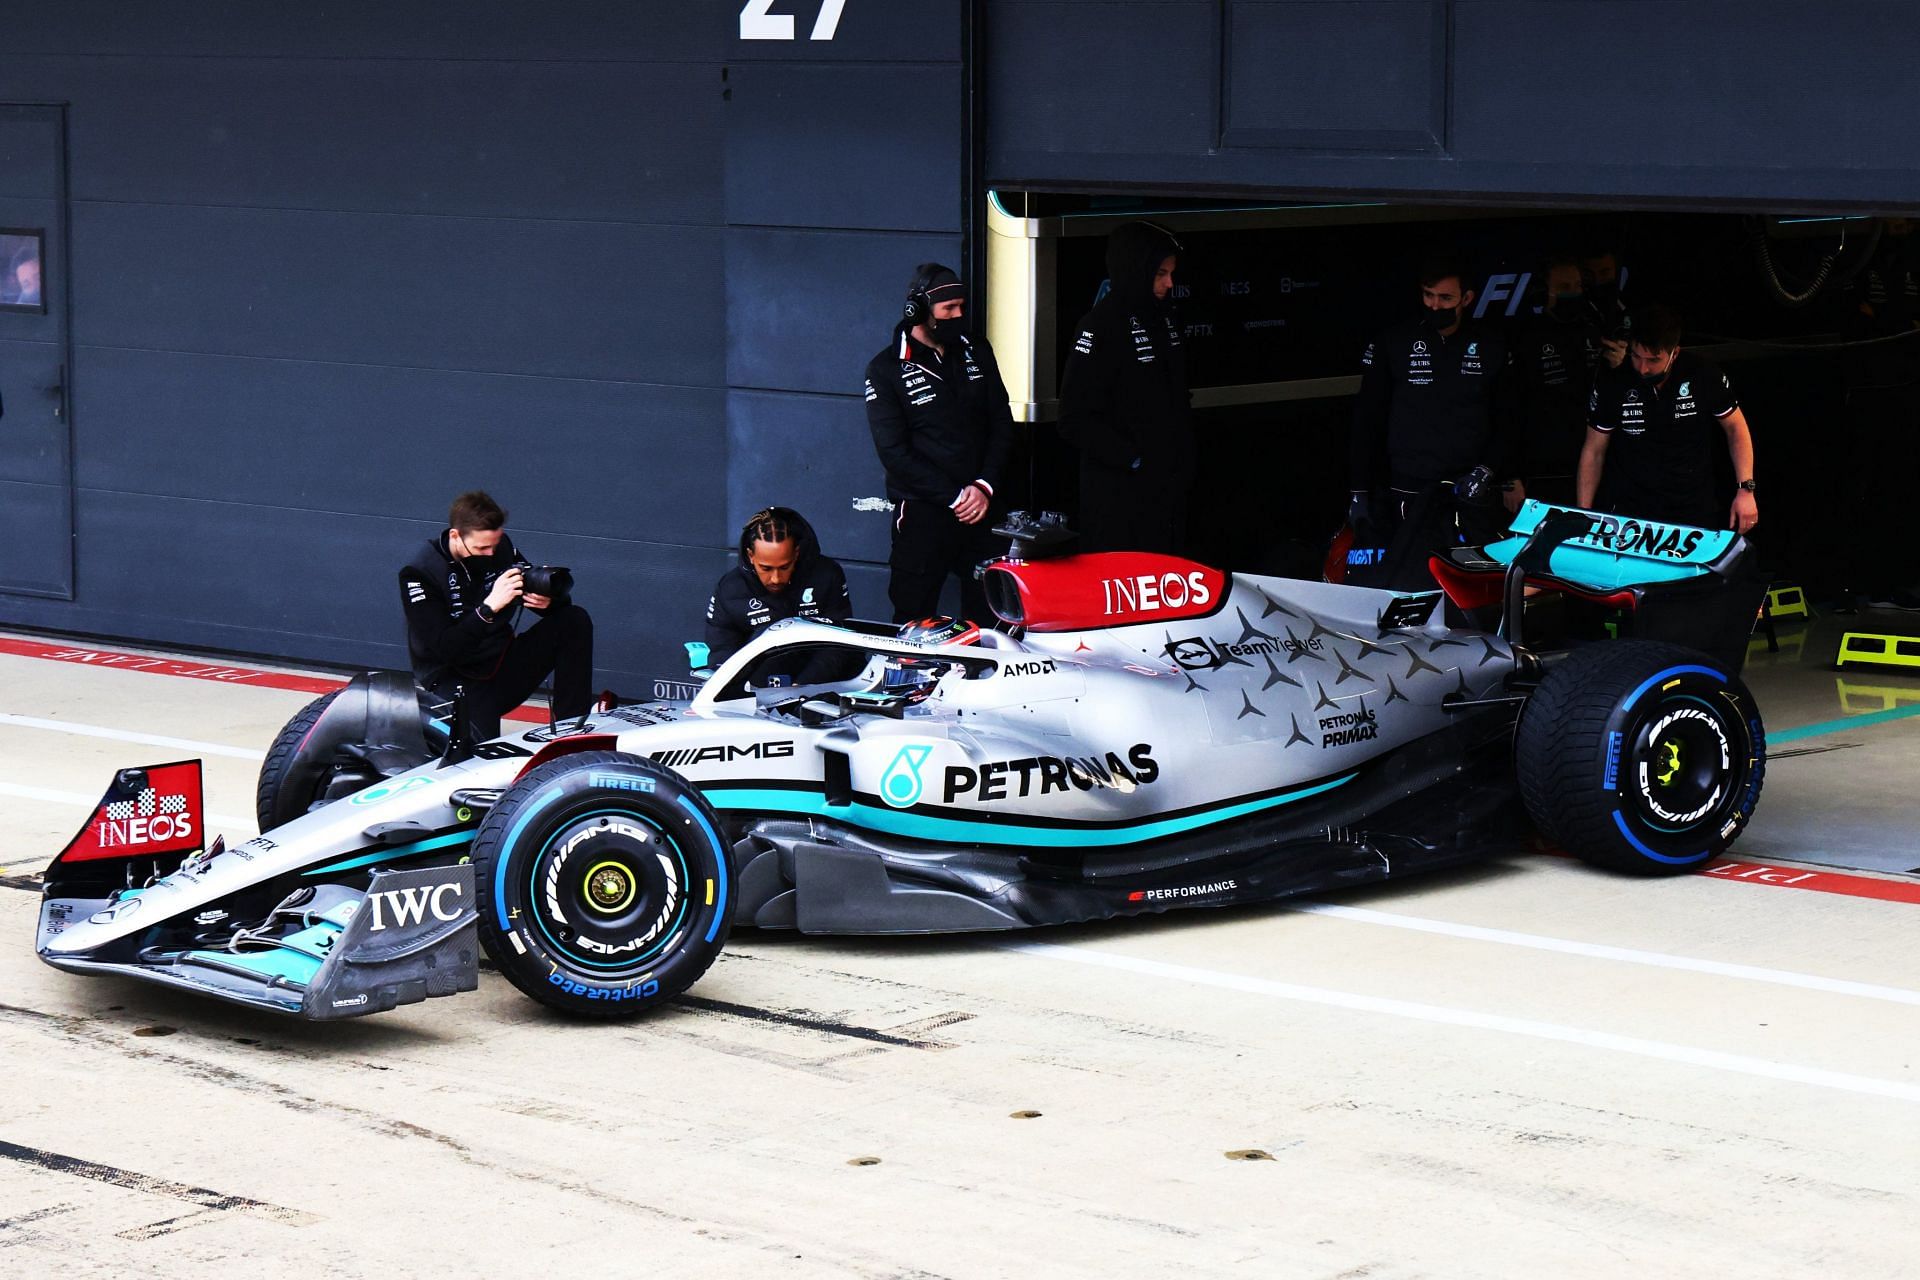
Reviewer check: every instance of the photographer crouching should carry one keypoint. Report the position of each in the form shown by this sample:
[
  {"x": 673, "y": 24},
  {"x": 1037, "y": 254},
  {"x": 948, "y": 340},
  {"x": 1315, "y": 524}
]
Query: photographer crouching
[{"x": 462, "y": 594}]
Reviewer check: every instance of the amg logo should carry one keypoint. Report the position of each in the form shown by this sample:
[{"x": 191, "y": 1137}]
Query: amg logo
[
  {"x": 412, "y": 906},
  {"x": 1184, "y": 891},
  {"x": 1041, "y": 667},
  {"x": 681, "y": 757}
]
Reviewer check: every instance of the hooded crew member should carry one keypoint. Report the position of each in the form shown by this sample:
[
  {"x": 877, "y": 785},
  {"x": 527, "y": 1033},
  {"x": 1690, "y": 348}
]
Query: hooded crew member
[
  {"x": 941, "y": 424},
  {"x": 781, "y": 574},
  {"x": 1124, "y": 402}
]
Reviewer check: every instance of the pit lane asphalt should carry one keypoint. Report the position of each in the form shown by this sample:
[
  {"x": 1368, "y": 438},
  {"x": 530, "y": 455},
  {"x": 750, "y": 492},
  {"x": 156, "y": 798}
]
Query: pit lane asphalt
[{"x": 1524, "y": 1068}]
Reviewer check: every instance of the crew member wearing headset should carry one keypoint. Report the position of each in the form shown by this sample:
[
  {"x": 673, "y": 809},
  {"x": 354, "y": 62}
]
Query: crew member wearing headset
[
  {"x": 781, "y": 574},
  {"x": 942, "y": 427}
]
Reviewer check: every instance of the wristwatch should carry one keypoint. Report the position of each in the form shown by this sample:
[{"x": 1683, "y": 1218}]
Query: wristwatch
[{"x": 1749, "y": 486}]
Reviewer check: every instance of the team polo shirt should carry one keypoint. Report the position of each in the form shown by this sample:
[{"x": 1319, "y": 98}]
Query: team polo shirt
[{"x": 1660, "y": 458}]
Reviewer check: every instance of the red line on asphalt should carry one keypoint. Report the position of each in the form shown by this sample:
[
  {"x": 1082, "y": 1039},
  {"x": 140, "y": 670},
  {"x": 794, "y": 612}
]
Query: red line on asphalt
[
  {"x": 81, "y": 655},
  {"x": 1817, "y": 881}
]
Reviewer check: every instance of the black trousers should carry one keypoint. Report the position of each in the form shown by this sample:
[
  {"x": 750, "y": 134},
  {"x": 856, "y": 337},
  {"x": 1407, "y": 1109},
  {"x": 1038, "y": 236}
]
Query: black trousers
[
  {"x": 929, "y": 543},
  {"x": 560, "y": 645}
]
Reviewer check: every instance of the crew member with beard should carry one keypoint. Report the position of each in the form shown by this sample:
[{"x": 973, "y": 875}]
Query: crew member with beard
[
  {"x": 1431, "y": 430},
  {"x": 781, "y": 574},
  {"x": 1653, "y": 429},
  {"x": 462, "y": 593},
  {"x": 1125, "y": 405},
  {"x": 942, "y": 427}
]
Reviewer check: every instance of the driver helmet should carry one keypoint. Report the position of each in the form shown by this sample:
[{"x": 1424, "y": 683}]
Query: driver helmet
[{"x": 915, "y": 677}]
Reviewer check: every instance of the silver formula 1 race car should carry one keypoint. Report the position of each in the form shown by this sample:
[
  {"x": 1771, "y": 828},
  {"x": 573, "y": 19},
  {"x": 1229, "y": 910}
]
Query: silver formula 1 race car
[{"x": 1145, "y": 733}]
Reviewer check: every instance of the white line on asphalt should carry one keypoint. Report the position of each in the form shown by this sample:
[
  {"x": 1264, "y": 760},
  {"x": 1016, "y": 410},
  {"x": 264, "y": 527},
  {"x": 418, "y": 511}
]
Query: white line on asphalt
[
  {"x": 1780, "y": 977},
  {"x": 127, "y": 735},
  {"x": 49, "y": 796},
  {"x": 1444, "y": 1015}
]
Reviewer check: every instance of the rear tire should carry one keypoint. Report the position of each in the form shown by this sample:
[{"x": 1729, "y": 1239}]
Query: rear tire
[
  {"x": 604, "y": 884},
  {"x": 279, "y": 763},
  {"x": 1641, "y": 757}
]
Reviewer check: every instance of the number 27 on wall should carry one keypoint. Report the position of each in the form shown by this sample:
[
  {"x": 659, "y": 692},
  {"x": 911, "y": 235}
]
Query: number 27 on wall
[{"x": 759, "y": 22}]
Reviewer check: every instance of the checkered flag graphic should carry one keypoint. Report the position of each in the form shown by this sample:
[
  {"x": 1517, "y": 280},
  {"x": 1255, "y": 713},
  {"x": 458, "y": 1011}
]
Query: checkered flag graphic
[
  {"x": 145, "y": 802},
  {"x": 120, "y": 810},
  {"x": 173, "y": 804}
]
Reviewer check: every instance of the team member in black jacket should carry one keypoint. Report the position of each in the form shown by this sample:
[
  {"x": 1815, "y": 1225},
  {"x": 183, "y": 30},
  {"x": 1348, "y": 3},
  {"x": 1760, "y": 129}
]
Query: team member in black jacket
[
  {"x": 781, "y": 574},
  {"x": 1652, "y": 435},
  {"x": 942, "y": 427},
  {"x": 1555, "y": 357},
  {"x": 1124, "y": 402},
  {"x": 462, "y": 593},
  {"x": 1429, "y": 412}
]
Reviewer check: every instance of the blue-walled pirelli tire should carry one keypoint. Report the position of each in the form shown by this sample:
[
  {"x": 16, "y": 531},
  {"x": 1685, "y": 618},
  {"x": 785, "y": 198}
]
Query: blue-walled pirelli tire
[
  {"x": 604, "y": 884},
  {"x": 1641, "y": 757}
]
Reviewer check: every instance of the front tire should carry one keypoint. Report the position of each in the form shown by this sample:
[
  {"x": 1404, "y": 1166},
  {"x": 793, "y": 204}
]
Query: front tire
[
  {"x": 289, "y": 786},
  {"x": 1641, "y": 757},
  {"x": 604, "y": 882}
]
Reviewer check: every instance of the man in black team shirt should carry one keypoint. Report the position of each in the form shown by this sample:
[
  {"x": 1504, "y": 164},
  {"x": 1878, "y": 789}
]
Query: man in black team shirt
[
  {"x": 1652, "y": 433},
  {"x": 461, "y": 593},
  {"x": 1556, "y": 355},
  {"x": 1432, "y": 437},
  {"x": 781, "y": 574},
  {"x": 941, "y": 424}
]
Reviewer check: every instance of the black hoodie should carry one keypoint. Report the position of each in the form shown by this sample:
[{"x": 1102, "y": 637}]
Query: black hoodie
[
  {"x": 446, "y": 632},
  {"x": 1123, "y": 398},
  {"x": 740, "y": 608}
]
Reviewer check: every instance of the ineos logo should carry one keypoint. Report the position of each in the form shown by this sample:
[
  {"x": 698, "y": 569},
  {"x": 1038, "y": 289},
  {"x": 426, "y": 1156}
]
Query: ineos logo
[{"x": 1149, "y": 593}]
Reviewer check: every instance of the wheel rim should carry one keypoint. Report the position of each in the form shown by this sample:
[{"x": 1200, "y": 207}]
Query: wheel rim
[
  {"x": 1684, "y": 767},
  {"x": 609, "y": 890}
]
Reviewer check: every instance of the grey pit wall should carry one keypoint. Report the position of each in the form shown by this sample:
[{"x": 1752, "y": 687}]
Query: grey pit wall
[{"x": 611, "y": 262}]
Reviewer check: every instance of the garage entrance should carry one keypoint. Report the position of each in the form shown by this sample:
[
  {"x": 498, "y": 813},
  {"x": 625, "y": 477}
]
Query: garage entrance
[
  {"x": 1811, "y": 317},
  {"x": 36, "y": 459}
]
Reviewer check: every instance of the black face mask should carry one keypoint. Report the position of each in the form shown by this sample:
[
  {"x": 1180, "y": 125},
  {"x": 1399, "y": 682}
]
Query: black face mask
[
  {"x": 945, "y": 331},
  {"x": 1605, "y": 295},
  {"x": 1438, "y": 321},
  {"x": 1650, "y": 378}
]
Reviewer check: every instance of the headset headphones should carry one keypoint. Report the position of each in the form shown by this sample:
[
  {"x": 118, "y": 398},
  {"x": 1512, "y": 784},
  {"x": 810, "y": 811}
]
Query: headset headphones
[{"x": 919, "y": 308}]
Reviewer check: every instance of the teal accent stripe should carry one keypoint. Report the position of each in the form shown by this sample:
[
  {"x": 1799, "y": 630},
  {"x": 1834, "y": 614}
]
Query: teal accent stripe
[
  {"x": 1841, "y": 725},
  {"x": 396, "y": 851},
  {"x": 987, "y": 830}
]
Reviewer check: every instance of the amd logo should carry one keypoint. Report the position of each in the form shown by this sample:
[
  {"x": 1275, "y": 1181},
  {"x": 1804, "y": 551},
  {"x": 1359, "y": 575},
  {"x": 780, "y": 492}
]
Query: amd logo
[
  {"x": 1037, "y": 667},
  {"x": 412, "y": 906}
]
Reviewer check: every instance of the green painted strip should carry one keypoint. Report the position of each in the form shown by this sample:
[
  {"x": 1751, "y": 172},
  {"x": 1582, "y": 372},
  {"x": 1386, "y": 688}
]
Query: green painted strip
[
  {"x": 396, "y": 851},
  {"x": 986, "y": 830},
  {"x": 1841, "y": 725}
]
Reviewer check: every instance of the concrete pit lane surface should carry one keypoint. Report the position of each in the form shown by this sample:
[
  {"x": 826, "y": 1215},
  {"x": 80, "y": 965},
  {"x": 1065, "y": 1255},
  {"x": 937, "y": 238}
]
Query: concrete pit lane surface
[{"x": 1525, "y": 1068}]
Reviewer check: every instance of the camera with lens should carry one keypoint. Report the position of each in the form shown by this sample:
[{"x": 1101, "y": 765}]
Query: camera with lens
[{"x": 550, "y": 580}]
